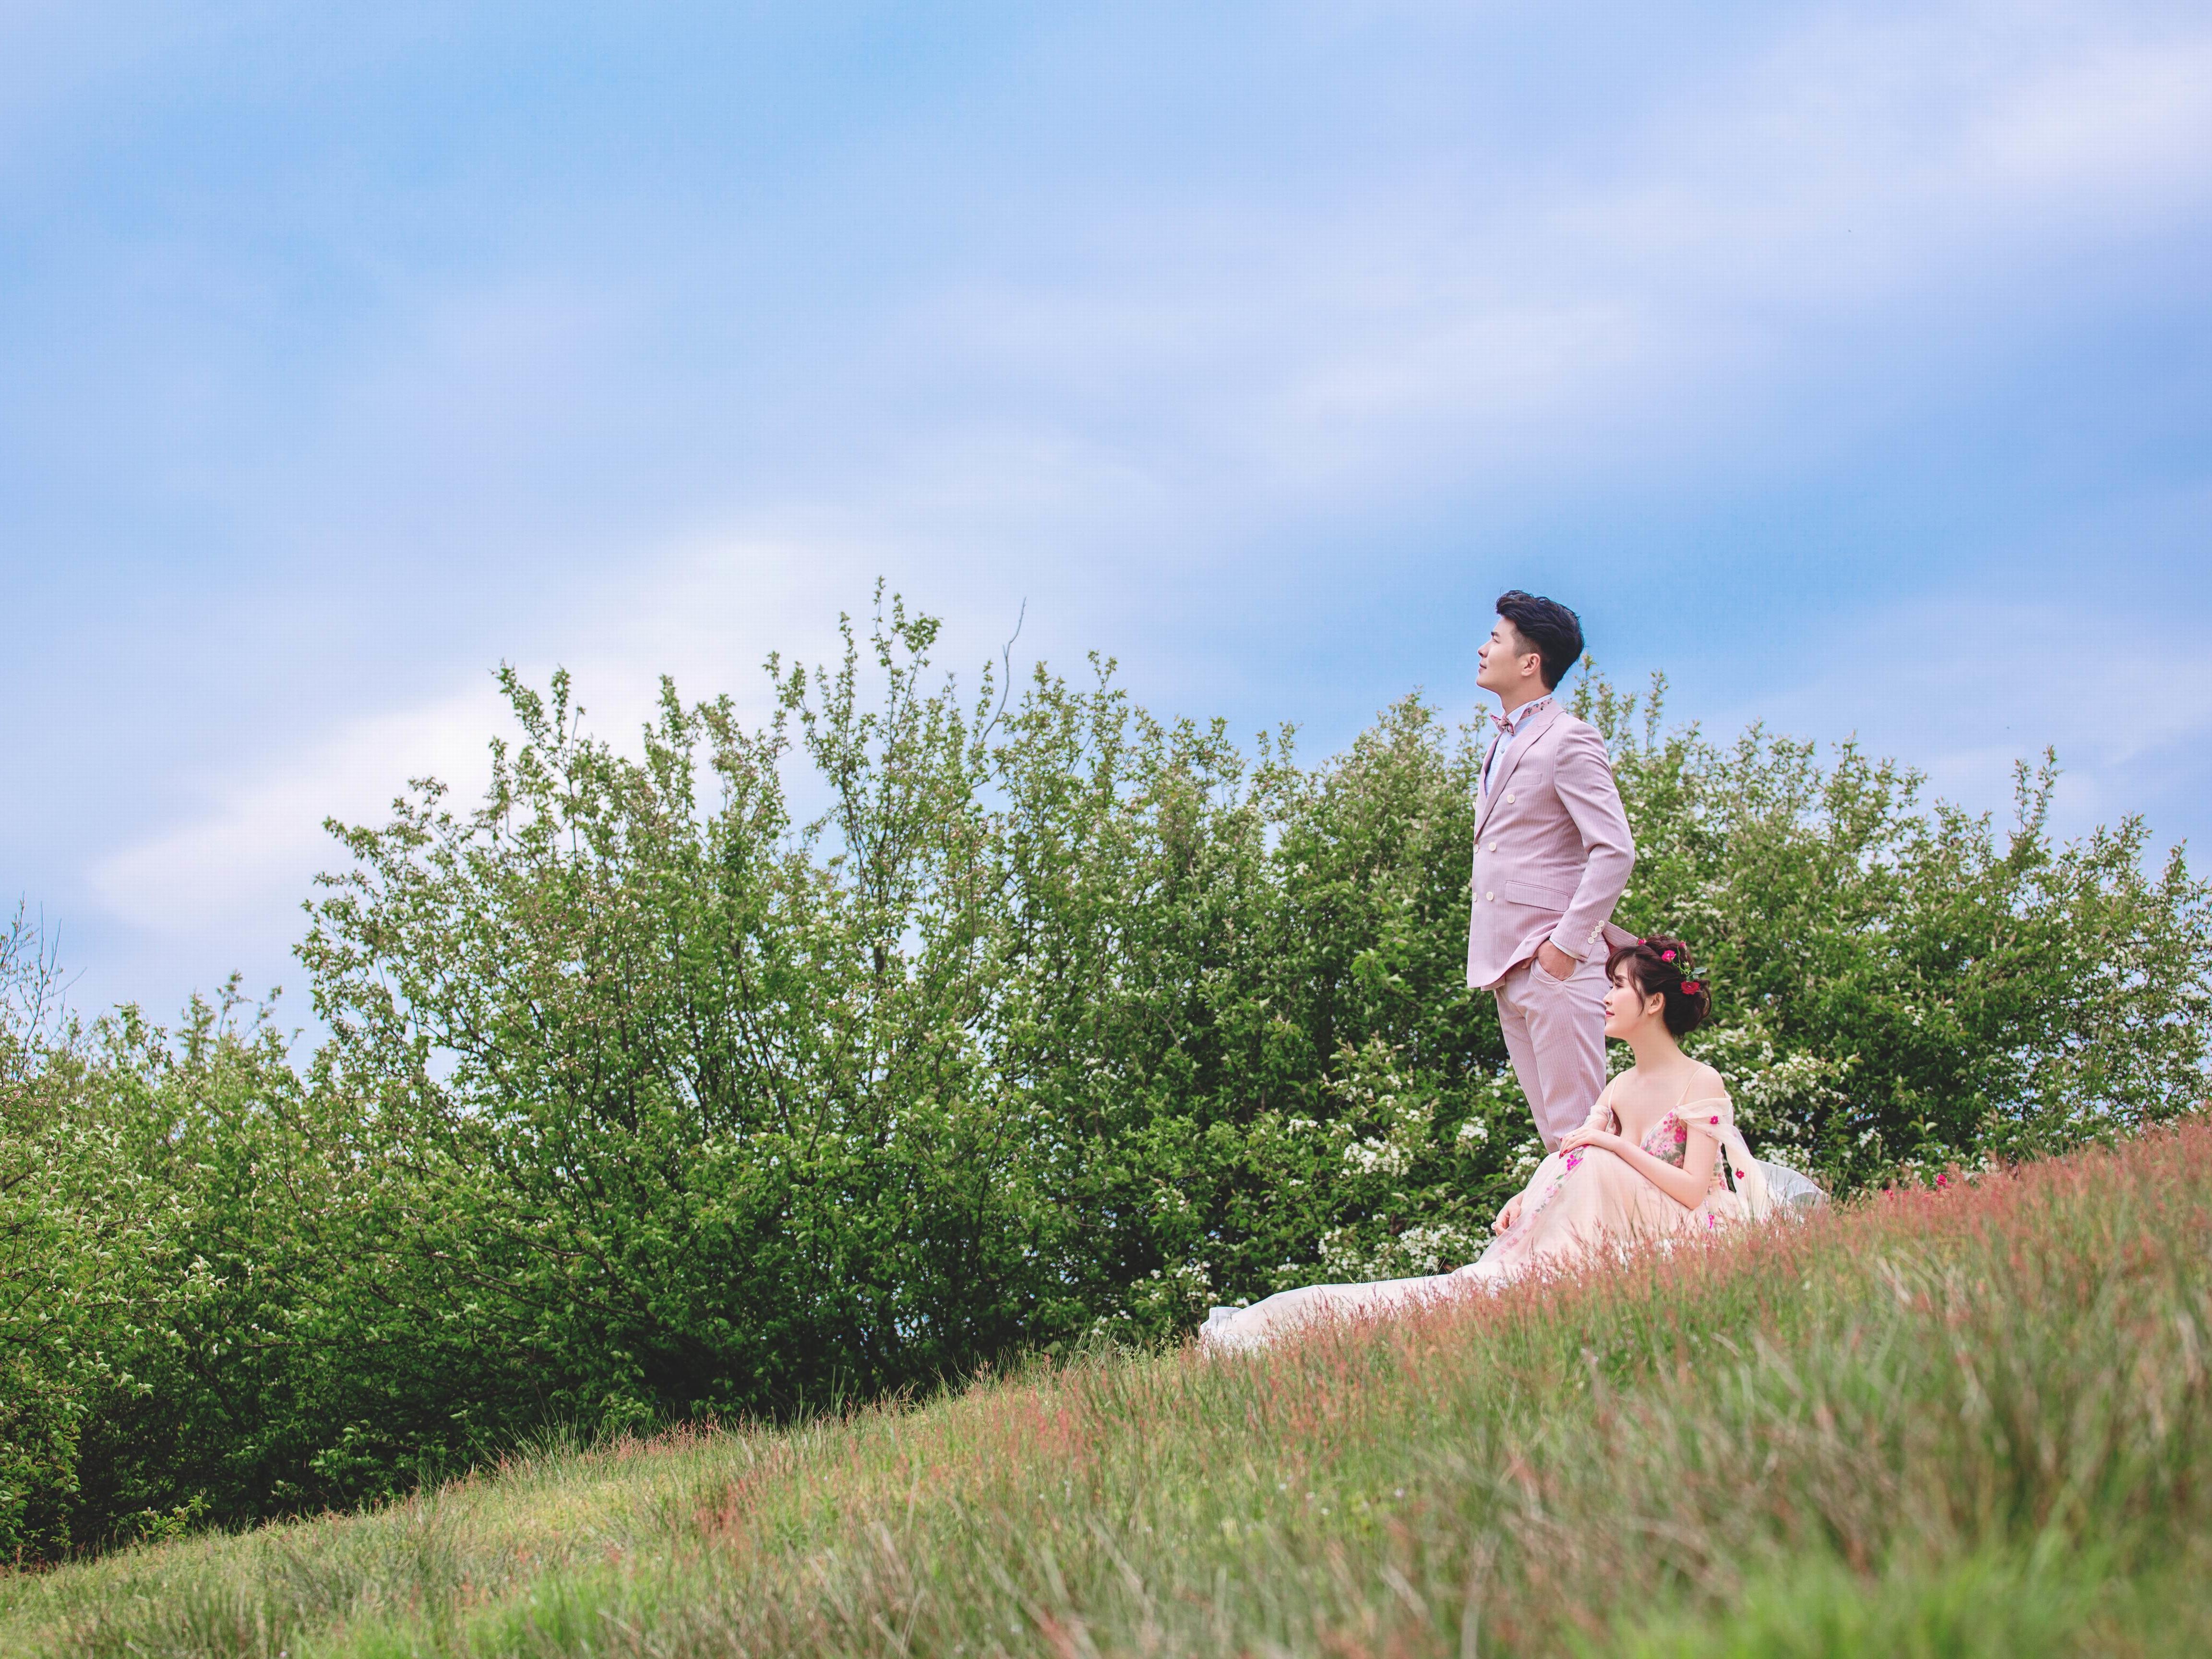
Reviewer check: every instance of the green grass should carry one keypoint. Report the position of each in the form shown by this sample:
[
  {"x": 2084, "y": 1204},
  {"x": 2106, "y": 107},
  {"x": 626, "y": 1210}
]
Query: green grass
[{"x": 1973, "y": 1422}]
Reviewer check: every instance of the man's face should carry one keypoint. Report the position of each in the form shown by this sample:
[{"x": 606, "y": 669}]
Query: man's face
[{"x": 1498, "y": 662}]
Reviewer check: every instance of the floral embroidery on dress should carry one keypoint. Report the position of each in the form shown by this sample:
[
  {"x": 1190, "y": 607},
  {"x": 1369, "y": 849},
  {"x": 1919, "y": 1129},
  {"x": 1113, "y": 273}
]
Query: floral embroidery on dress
[
  {"x": 1674, "y": 1148},
  {"x": 1677, "y": 1153}
]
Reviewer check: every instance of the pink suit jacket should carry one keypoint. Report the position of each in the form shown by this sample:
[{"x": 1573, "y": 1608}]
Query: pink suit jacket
[{"x": 1552, "y": 850}]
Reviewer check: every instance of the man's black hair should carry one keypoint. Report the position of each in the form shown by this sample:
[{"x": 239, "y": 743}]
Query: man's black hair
[{"x": 1553, "y": 631}]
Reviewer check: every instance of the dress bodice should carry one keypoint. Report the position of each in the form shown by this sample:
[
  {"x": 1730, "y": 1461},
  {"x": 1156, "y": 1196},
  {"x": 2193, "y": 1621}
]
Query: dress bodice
[{"x": 1669, "y": 1139}]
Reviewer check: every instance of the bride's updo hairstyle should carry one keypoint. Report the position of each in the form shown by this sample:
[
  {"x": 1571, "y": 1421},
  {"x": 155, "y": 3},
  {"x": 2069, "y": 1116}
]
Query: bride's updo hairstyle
[{"x": 1662, "y": 966}]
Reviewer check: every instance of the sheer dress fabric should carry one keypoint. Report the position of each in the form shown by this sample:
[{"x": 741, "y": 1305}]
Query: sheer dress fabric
[{"x": 1579, "y": 1207}]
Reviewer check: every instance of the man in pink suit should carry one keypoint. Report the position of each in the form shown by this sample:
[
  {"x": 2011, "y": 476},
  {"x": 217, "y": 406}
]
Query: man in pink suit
[{"x": 1551, "y": 857}]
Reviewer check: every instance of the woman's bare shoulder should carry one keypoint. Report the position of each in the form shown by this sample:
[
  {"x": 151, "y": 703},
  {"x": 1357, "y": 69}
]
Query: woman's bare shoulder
[{"x": 1706, "y": 1083}]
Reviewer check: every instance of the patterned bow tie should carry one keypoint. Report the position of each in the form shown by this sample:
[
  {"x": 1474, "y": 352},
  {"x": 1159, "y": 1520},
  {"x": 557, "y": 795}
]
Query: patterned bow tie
[{"x": 1505, "y": 723}]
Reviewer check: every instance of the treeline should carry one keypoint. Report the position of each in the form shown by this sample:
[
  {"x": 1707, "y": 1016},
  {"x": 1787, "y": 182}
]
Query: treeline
[{"x": 648, "y": 1095}]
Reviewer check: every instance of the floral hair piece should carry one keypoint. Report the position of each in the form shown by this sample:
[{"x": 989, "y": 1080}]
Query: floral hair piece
[{"x": 1690, "y": 987}]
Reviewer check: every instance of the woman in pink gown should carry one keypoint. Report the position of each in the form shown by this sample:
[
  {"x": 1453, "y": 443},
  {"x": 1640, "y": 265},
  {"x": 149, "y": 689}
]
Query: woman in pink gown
[{"x": 1659, "y": 1157}]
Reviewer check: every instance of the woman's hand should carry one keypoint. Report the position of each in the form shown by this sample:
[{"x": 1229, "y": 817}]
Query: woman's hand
[
  {"x": 1508, "y": 1216},
  {"x": 1586, "y": 1136}
]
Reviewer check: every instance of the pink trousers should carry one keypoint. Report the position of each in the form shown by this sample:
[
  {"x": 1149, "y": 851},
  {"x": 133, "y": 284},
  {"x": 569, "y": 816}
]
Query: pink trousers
[{"x": 1555, "y": 1033}]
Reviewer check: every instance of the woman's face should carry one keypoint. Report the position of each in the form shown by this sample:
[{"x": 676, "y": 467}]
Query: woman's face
[{"x": 1627, "y": 1007}]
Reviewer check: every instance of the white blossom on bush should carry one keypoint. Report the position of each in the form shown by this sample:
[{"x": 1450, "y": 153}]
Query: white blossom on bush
[
  {"x": 1420, "y": 1249},
  {"x": 1764, "y": 1081},
  {"x": 1383, "y": 1157}
]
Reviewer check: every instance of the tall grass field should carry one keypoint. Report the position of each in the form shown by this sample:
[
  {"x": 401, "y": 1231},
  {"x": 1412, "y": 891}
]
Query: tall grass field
[{"x": 1976, "y": 1420}]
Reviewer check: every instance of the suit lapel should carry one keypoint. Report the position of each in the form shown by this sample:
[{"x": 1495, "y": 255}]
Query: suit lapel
[{"x": 1523, "y": 741}]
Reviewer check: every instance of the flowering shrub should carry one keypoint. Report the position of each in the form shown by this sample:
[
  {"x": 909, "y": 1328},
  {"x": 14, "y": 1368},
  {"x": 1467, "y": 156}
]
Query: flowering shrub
[{"x": 647, "y": 1095}]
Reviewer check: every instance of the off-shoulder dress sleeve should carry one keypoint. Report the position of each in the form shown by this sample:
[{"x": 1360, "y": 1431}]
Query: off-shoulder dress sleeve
[{"x": 1714, "y": 1117}]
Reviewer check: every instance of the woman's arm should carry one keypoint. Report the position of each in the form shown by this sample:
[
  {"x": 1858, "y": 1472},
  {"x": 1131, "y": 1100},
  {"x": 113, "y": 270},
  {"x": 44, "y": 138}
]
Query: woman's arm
[{"x": 1686, "y": 1183}]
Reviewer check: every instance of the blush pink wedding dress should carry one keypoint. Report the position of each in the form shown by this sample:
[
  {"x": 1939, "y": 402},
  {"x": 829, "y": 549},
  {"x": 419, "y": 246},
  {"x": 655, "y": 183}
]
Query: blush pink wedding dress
[{"x": 1580, "y": 1208}]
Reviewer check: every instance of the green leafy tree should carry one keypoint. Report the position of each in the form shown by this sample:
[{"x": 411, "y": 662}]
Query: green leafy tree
[{"x": 684, "y": 1102}]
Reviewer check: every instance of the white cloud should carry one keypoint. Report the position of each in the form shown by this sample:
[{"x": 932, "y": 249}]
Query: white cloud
[
  {"x": 260, "y": 839},
  {"x": 708, "y": 615},
  {"x": 2126, "y": 126}
]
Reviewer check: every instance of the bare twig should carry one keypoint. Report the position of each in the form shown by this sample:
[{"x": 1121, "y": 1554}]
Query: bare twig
[{"x": 1006, "y": 666}]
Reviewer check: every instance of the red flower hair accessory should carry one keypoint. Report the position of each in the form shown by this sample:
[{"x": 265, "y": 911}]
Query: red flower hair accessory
[
  {"x": 1690, "y": 987},
  {"x": 1666, "y": 956}
]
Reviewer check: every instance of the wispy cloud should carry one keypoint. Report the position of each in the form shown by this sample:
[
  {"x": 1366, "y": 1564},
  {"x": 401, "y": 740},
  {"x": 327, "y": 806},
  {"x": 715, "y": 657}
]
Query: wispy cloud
[
  {"x": 1509, "y": 320},
  {"x": 1969, "y": 685}
]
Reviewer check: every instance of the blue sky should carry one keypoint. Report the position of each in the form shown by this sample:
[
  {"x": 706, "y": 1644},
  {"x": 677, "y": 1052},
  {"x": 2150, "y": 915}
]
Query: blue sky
[{"x": 1851, "y": 364}]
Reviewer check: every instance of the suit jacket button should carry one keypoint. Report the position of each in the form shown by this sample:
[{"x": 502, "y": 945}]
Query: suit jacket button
[
  {"x": 1509, "y": 800},
  {"x": 1487, "y": 897}
]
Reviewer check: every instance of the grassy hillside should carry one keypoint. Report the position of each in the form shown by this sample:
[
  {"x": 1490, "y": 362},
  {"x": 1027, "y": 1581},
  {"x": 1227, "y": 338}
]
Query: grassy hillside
[{"x": 1974, "y": 1421}]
